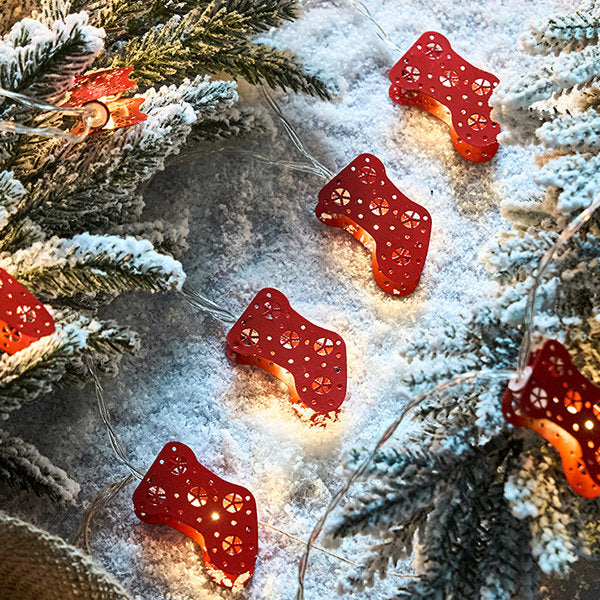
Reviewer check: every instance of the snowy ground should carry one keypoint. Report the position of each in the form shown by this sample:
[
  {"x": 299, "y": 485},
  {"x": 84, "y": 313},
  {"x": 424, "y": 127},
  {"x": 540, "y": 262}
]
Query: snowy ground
[{"x": 253, "y": 226}]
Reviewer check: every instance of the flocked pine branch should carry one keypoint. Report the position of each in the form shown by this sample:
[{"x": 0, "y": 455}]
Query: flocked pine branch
[
  {"x": 171, "y": 39},
  {"x": 21, "y": 465}
]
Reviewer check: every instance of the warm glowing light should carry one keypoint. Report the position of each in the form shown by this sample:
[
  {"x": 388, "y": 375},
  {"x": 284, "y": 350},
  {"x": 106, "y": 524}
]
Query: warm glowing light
[
  {"x": 589, "y": 425},
  {"x": 215, "y": 516}
]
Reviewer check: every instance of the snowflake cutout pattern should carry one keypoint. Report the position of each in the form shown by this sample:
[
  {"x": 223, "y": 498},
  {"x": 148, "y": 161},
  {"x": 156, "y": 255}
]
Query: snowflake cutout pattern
[
  {"x": 289, "y": 339},
  {"x": 340, "y": 196},
  {"x": 197, "y": 496},
  {"x": 232, "y": 545},
  {"x": 233, "y": 503},
  {"x": 156, "y": 495},
  {"x": 323, "y": 346}
]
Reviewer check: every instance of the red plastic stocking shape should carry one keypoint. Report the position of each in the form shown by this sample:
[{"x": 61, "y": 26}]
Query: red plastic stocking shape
[
  {"x": 434, "y": 77},
  {"x": 23, "y": 318},
  {"x": 101, "y": 92},
  {"x": 310, "y": 360},
  {"x": 364, "y": 202},
  {"x": 560, "y": 404},
  {"x": 219, "y": 516}
]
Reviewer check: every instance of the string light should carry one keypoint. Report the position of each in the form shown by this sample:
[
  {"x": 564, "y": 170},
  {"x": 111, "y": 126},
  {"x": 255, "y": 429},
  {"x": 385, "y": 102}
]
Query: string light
[{"x": 524, "y": 351}]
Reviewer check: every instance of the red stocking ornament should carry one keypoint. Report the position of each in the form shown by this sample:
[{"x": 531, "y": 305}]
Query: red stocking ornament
[
  {"x": 560, "y": 404},
  {"x": 310, "y": 360},
  {"x": 101, "y": 91},
  {"x": 362, "y": 200},
  {"x": 23, "y": 318},
  {"x": 219, "y": 516},
  {"x": 434, "y": 77}
]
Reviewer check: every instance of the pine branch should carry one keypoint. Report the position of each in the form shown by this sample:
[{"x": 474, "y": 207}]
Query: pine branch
[
  {"x": 39, "y": 59},
  {"x": 60, "y": 358},
  {"x": 563, "y": 33},
  {"x": 88, "y": 264},
  {"x": 21, "y": 465},
  {"x": 212, "y": 39}
]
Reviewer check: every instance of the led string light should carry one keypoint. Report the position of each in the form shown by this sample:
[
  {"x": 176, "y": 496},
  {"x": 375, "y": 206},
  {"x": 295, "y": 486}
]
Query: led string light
[
  {"x": 573, "y": 227},
  {"x": 96, "y": 98},
  {"x": 111, "y": 491},
  {"x": 310, "y": 360},
  {"x": 86, "y": 114}
]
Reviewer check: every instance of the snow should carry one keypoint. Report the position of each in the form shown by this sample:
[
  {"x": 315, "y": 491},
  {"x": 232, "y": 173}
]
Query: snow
[{"x": 252, "y": 226}]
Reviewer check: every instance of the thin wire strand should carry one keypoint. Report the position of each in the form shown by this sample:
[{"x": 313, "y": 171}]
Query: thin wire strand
[
  {"x": 332, "y": 554},
  {"x": 115, "y": 442},
  {"x": 13, "y": 127},
  {"x": 321, "y": 169},
  {"x": 574, "y": 226},
  {"x": 361, "y": 8},
  {"x": 357, "y": 473},
  {"x": 206, "y": 305},
  {"x": 101, "y": 501},
  {"x": 288, "y": 164}
]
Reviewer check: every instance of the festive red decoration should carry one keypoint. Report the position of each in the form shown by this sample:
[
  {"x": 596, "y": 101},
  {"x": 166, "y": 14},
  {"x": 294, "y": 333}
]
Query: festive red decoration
[
  {"x": 364, "y": 202},
  {"x": 434, "y": 77},
  {"x": 310, "y": 360},
  {"x": 101, "y": 92},
  {"x": 219, "y": 516},
  {"x": 23, "y": 318},
  {"x": 560, "y": 404}
]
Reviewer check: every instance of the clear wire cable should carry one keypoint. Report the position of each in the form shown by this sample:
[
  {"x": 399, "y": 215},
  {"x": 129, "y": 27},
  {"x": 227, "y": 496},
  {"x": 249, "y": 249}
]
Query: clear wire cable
[
  {"x": 332, "y": 554},
  {"x": 361, "y": 8},
  {"x": 287, "y": 164},
  {"x": 321, "y": 169},
  {"x": 115, "y": 442},
  {"x": 574, "y": 226},
  {"x": 356, "y": 474},
  {"x": 102, "y": 500},
  {"x": 13, "y": 127},
  {"x": 206, "y": 305}
]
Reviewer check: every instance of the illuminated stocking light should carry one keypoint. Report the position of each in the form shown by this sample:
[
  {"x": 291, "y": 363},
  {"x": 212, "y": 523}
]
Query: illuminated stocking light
[
  {"x": 560, "y": 404},
  {"x": 100, "y": 92},
  {"x": 23, "y": 318},
  {"x": 362, "y": 200},
  {"x": 434, "y": 77},
  {"x": 219, "y": 516},
  {"x": 310, "y": 360}
]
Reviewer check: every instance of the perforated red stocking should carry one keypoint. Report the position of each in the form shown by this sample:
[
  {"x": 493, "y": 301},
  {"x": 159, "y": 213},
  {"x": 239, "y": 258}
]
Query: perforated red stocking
[
  {"x": 560, "y": 404},
  {"x": 432, "y": 76},
  {"x": 310, "y": 360},
  {"x": 362, "y": 200},
  {"x": 23, "y": 318},
  {"x": 219, "y": 516}
]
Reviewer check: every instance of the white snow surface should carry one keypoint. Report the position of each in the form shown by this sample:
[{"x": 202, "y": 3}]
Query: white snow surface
[{"x": 253, "y": 226}]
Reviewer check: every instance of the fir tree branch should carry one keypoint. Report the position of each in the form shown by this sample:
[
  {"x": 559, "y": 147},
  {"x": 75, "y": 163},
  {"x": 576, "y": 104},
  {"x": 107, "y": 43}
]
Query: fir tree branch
[
  {"x": 88, "y": 264},
  {"x": 21, "y": 465}
]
